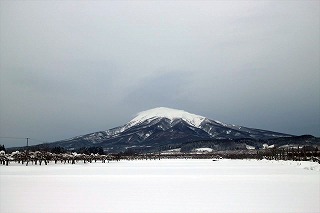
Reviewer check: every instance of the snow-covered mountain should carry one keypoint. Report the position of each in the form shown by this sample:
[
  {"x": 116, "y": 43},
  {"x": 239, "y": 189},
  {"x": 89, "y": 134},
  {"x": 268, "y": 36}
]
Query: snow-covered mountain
[{"x": 163, "y": 127}]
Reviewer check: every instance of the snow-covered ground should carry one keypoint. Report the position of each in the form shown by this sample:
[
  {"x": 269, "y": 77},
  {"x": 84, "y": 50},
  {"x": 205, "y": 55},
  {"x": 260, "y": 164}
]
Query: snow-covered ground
[
  {"x": 162, "y": 186},
  {"x": 203, "y": 150}
]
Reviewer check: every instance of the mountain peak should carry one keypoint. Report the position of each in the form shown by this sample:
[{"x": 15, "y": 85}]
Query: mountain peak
[
  {"x": 169, "y": 113},
  {"x": 165, "y": 127}
]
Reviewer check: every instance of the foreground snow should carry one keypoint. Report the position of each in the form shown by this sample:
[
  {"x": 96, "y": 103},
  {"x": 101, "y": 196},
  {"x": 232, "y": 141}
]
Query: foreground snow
[{"x": 162, "y": 186}]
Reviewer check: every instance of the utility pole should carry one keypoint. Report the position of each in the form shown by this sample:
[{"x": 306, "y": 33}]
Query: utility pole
[{"x": 27, "y": 152}]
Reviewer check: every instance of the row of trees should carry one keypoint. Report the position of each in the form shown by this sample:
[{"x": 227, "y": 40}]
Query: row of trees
[
  {"x": 291, "y": 153},
  {"x": 39, "y": 157},
  {"x": 89, "y": 154},
  {"x": 2, "y": 148},
  {"x": 59, "y": 149}
]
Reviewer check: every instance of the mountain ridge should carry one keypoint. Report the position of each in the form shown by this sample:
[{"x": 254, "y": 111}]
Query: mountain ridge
[
  {"x": 162, "y": 126},
  {"x": 165, "y": 127}
]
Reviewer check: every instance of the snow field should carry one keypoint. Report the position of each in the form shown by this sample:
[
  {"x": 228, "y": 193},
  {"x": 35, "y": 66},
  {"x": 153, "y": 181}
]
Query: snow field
[{"x": 162, "y": 186}]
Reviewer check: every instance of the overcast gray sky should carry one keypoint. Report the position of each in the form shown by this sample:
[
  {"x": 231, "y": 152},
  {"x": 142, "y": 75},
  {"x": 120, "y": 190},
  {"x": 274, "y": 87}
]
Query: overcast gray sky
[{"x": 73, "y": 67}]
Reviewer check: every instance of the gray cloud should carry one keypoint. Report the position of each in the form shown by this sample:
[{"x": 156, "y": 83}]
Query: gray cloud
[{"x": 70, "y": 67}]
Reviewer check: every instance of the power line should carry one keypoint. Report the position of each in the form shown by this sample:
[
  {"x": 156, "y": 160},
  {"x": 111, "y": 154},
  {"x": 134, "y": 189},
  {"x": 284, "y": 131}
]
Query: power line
[
  {"x": 33, "y": 139},
  {"x": 26, "y": 138},
  {"x": 13, "y": 138}
]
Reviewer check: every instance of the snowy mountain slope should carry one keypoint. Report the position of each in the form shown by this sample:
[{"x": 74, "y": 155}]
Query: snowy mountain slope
[
  {"x": 162, "y": 126},
  {"x": 171, "y": 114}
]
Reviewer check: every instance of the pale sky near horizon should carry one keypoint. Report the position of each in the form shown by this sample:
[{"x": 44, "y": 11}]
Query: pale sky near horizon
[{"x": 68, "y": 68}]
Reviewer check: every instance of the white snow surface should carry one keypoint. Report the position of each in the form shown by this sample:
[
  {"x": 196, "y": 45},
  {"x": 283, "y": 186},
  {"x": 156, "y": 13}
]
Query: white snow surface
[
  {"x": 198, "y": 186},
  {"x": 266, "y": 146},
  {"x": 250, "y": 147},
  {"x": 203, "y": 150},
  {"x": 172, "y": 151},
  {"x": 163, "y": 112}
]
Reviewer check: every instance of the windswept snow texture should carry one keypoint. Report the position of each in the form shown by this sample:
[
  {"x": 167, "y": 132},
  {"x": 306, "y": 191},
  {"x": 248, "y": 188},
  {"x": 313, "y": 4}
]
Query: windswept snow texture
[{"x": 162, "y": 186}]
